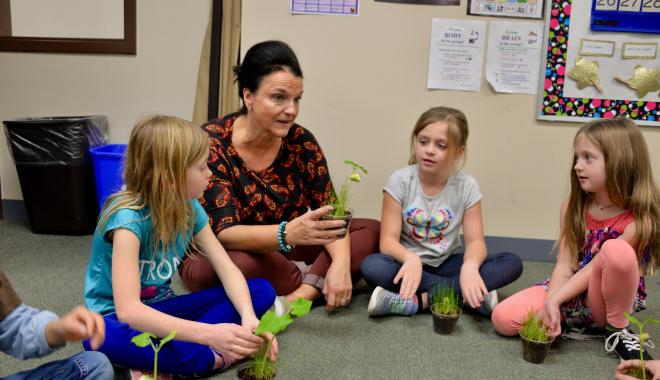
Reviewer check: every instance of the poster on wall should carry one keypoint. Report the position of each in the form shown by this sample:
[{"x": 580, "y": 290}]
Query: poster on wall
[
  {"x": 328, "y": 7},
  {"x": 456, "y": 54},
  {"x": 424, "y": 2},
  {"x": 592, "y": 74},
  {"x": 508, "y": 8},
  {"x": 514, "y": 56}
]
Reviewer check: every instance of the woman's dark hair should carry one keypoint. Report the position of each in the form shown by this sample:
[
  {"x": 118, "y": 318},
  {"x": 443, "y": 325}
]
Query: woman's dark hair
[{"x": 261, "y": 60}]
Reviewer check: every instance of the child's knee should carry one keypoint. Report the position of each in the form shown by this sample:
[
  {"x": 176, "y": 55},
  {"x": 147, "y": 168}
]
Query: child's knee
[
  {"x": 618, "y": 255},
  {"x": 502, "y": 321}
]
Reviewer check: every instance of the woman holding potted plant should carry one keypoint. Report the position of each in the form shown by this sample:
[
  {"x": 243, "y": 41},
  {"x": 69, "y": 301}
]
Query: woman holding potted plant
[
  {"x": 269, "y": 183},
  {"x": 425, "y": 205}
]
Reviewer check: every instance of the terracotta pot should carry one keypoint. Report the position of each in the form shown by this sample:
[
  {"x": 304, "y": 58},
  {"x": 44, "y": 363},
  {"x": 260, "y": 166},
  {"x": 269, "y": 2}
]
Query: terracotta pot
[
  {"x": 533, "y": 351},
  {"x": 444, "y": 324},
  {"x": 244, "y": 374},
  {"x": 347, "y": 217}
]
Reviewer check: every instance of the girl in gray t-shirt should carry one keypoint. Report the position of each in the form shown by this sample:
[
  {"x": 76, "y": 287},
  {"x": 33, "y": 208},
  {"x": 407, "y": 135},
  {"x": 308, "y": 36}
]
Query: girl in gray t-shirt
[{"x": 425, "y": 206}]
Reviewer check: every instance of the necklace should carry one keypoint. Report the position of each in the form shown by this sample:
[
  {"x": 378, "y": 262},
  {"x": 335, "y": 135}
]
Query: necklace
[{"x": 601, "y": 207}]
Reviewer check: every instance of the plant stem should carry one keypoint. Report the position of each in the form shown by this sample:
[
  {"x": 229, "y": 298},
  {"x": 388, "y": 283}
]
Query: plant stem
[{"x": 155, "y": 364}]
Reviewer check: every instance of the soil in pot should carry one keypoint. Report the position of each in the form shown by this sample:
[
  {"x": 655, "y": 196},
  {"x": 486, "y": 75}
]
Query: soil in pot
[
  {"x": 246, "y": 374},
  {"x": 444, "y": 324},
  {"x": 533, "y": 351},
  {"x": 347, "y": 217}
]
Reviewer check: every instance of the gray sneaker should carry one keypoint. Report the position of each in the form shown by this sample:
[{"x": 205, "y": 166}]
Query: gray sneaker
[{"x": 384, "y": 302}]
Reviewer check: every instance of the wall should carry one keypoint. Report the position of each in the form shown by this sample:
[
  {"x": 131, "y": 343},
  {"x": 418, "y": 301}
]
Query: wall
[
  {"x": 161, "y": 78},
  {"x": 365, "y": 86}
]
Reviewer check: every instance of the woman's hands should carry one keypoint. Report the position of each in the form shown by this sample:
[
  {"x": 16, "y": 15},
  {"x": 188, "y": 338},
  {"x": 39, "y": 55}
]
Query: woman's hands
[
  {"x": 472, "y": 285},
  {"x": 550, "y": 315},
  {"x": 337, "y": 288},
  {"x": 308, "y": 229},
  {"x": 410, "y": 275}
]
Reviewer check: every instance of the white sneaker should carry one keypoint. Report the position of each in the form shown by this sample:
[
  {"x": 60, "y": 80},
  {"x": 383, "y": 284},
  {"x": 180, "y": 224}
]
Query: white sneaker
[{"x": 488, "y": 305}]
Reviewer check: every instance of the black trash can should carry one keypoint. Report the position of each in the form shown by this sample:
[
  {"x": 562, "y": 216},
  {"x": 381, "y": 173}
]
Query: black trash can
[{"x": 55, "y": 171}]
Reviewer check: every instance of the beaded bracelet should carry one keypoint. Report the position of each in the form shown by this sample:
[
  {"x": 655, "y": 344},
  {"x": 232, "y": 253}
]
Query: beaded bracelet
[{"x": 281, "y": 238}]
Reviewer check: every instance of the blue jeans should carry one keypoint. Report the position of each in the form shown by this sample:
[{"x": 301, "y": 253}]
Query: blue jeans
[
  {"x": 176, "y": 357},
  {"x": 496, "y": 271},
  {"x": 85, "y": 365}
]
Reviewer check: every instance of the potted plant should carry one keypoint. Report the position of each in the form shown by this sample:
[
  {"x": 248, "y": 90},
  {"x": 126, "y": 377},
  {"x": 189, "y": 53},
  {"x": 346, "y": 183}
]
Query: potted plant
[
  {"x": 144, "y": 340},
  {"x": 640, "y": 372},
  {"x": 536, "y": 339},
  {"x": 261, "y": 367},
  {"x": 339, "y": 201},
  {"x": 446, "y": 309}
]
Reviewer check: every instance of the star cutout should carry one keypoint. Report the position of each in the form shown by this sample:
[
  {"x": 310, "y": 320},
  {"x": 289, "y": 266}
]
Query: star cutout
[
  {"x": 644, "y": 81},
  {"x": 586, "y": 73}
]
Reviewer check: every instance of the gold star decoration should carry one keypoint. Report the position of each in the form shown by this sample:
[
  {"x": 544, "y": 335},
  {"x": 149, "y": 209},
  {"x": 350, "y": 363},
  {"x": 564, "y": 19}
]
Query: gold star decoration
[
  {"x": 644, "y": 81},
  {"x": 586, "y": 73}
]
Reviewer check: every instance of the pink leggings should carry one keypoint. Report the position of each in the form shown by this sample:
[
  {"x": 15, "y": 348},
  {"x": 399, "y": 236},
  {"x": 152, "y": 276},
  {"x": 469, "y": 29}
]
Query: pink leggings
[{"x": 611, "y": 291}]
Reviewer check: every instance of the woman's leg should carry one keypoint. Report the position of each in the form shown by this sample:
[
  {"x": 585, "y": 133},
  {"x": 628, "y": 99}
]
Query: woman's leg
[
  {"x": 613, "y": 283},
  {"x": 198, "y": 273},
  {"x": 510, "y": 314},
  {"x": 177, "y": 357}
]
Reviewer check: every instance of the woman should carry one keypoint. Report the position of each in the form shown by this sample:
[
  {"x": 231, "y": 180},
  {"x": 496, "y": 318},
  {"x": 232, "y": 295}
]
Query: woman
[{"x": 270, "y": 181}]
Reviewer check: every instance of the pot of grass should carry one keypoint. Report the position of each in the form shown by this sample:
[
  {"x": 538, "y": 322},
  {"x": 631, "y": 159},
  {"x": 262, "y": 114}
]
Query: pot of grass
[
  {"x": 536, "y": 339},
  {"x": 339, "y": 201},
  {"x": 445, "y": 308}
]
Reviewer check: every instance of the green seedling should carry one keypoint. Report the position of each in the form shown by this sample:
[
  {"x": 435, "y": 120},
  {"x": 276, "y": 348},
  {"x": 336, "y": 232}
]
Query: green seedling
[
  {"x": 144, "y": 340},
  {"x": 339, "y": 201},
  {"x": 446, "y": 301},
  {"x": 261, "y": 367},
  {"x": 643, "y": 338},
  {"x": 534, "y": 329}
]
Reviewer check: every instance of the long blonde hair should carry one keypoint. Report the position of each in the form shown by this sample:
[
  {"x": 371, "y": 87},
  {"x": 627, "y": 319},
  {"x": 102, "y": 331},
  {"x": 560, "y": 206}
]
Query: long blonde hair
[
  {"x": 160, "y": 150},
  {"x": 629, "y": 183},
  {"x": 457, "y": 130}
]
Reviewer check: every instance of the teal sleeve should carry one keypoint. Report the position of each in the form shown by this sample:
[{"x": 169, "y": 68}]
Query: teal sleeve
[
  {"x": 131, "y": 220},
  {"x": 201, "y": 218}
]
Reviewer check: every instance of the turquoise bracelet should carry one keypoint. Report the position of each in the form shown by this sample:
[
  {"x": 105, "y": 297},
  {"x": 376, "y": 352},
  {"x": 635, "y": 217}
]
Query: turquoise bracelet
[{"x": 281, "y": 238}]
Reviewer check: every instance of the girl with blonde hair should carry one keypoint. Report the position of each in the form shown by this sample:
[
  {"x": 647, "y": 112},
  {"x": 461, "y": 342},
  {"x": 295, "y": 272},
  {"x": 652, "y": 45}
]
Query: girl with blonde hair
[
  {"x": 143, "y": 235},
  {"x": 609, "y": 240}
]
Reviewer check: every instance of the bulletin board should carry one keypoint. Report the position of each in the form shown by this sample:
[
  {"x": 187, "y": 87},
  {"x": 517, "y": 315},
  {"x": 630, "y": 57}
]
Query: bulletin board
[{"x": 560, "y": 98}]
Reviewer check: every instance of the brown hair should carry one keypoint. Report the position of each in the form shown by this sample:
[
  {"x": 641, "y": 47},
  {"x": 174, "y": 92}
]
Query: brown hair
[{"x": 457, "y": 131}]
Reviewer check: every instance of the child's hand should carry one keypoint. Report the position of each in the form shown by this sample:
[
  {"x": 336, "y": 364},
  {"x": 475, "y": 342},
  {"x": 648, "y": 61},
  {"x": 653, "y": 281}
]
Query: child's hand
[
  {"x": 234, "y": 340},
  {"x": 472, "y": 285},
  {"x": 410, "y": 275},
  {"x": 652, "y": 369},
  {"x": 78, "y": 324},
  {"x": 551, "y": 317}
]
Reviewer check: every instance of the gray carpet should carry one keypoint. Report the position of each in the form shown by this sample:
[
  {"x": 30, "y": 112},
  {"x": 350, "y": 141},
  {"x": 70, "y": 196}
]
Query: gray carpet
[{"x": 48, "y": 271}]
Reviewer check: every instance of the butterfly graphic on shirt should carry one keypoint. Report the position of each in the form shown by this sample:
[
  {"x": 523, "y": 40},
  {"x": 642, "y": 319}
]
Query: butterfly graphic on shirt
[{"x": 429, "y": 228}]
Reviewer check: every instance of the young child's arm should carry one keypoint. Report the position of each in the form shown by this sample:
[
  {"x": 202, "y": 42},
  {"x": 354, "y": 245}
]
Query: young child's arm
[
  {"x": 224, "y": 337},
  {"x": 472, "y": 285},
  {"x": 78, "y": 324},
  {"x": 410, "y": 273}
]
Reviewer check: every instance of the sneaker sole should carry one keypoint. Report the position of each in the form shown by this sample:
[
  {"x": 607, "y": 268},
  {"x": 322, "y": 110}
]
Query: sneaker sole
[{"x": 374, "y": 300}]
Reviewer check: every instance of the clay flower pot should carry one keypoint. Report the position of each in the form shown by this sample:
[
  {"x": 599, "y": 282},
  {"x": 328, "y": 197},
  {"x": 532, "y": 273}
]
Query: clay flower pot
[
  {"x": 347, "y": 217},
  {"x": 533, "y": 351},
  {"x": 444, "y": 324}
]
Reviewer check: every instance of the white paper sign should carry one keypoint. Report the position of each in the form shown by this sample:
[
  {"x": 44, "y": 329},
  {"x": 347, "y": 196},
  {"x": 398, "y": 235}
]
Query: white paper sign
[
  {"x": 514, "y": 54},
  {"x": 456, "y": 54}
]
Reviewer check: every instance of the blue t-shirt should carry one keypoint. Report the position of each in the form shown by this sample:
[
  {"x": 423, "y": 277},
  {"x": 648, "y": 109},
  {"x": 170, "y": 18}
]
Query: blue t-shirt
[{"x": 155, "y": 272}]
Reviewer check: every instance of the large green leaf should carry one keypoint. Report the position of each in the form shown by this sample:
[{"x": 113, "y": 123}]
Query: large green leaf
[
  {"x": 143, "y": 340},
  {"x": 270, "y": 322},
  {"x": 300, "y": 307}
]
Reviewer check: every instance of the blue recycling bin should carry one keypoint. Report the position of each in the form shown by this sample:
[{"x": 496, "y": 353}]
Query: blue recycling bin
[{"x": 108, "y": 168}]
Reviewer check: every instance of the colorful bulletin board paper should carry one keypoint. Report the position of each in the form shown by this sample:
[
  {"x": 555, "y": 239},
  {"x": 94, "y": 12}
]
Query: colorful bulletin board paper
[
  {"x": 506, "y": 8},
  {"x": 326, "y": 7},
  {"x": 560, "y": 98}
]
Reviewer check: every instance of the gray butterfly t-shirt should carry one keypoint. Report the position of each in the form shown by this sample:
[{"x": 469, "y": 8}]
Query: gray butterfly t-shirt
[{"x": 431, "y": 225}]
